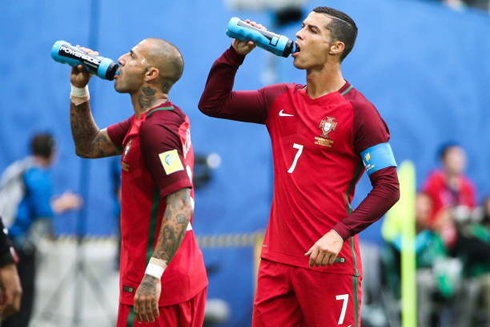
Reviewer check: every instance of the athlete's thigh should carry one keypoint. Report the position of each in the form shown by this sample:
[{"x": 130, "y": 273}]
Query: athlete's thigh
[
  {"x": 328, "y": 300},
  {"x": 275, "y": 304},
  {"x": 125, "y": 316}
]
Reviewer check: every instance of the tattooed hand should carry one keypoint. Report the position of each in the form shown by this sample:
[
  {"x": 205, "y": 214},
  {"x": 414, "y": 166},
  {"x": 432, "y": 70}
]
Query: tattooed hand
[{"x": 146, "y": 299}]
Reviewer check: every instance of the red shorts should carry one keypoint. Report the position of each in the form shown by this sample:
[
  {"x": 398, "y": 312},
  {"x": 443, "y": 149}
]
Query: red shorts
[
  {"x": 185, "y": 314},
  {"x": 289, "y": 296}
]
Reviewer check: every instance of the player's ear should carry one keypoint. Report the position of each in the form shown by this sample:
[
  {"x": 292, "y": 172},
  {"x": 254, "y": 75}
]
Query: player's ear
[
  {"x": 336, "y": 47},
  {"x": 151, "y": 74}
]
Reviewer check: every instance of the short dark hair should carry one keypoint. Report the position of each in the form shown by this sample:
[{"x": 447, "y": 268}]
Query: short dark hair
[
  {"x": 43, "y": 145},
  {"x": 342, "y": 27},
  {"x": 444, "y": 149}
]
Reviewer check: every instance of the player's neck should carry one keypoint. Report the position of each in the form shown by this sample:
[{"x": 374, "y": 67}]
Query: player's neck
[
  {"x": 146, "y": 98},
  {"x": 323, "y": 81}
]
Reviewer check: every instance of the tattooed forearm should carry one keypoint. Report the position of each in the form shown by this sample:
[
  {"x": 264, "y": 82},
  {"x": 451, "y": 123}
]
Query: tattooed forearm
[
  {"x": 177, "y": 215},
  {"x": 146, "y": 99},
  {"x": 90, "y": 141}
]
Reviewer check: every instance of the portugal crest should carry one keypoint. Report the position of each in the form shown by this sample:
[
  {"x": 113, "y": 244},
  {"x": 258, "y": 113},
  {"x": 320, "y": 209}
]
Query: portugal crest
[{"x": 327, "y": 125}]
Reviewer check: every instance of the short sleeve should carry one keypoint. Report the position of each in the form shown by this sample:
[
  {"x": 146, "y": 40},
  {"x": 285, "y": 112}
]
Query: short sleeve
[
  {"x": 369, "y": 128},
  {"x": 162, "y": 151},
  {"x": 118, "y": 131}
]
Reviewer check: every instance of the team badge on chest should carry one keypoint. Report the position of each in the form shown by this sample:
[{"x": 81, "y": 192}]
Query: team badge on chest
[{"x": 327, "y": 126}]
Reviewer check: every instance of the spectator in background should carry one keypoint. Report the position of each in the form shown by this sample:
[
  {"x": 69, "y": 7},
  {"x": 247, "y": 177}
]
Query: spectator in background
[
  {"x": 449, "y": 188},
  {"x": 10, "y": 289},
  {"x": 473, "y": 248},
  {"x": 36, "y": 204}
]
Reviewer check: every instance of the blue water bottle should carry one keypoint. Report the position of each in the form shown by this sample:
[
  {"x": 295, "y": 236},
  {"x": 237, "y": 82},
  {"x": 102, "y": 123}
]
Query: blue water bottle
[
  {"x": 66, "y": 53},
  {"x": 277, "y": 44}
]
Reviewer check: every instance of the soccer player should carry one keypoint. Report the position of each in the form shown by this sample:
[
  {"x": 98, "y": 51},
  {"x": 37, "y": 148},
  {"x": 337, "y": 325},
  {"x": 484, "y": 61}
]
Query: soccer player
[
  {"x": 324, "y": 135},
  {"x": 163, "y": 279}
]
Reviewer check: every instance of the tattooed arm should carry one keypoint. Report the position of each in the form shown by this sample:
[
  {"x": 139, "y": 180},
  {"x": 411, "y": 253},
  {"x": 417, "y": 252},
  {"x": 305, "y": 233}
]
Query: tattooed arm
[
  {"x": 174, "y": 225},
  {"x": 177, "y": 215},
  {"x": 90, "y": 141}
]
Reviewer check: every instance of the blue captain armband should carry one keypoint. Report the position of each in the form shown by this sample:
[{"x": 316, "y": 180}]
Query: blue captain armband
[{"x": 378, "y": 157}]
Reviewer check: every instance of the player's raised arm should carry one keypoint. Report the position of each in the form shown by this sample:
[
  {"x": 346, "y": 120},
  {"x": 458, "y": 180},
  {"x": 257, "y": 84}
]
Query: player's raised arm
[
  {"x": 218, "y": 98},
  {"x": 90, "y": 141}
]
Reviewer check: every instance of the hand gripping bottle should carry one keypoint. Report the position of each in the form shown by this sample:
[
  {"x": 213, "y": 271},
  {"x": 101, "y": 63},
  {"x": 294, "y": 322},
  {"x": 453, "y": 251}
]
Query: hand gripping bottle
[
  {"x": 66, "y": 53},
  {"x": 277, "y": 44}
]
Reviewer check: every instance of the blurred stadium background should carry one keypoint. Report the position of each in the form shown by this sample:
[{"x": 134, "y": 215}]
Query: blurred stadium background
[{"x": 424, "y": 65}]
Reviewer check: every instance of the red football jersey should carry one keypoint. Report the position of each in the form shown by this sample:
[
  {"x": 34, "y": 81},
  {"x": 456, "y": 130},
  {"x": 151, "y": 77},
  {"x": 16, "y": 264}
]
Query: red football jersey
[
  {"x": 316, "y": 146},
  {"x": 157, "y": 160}
]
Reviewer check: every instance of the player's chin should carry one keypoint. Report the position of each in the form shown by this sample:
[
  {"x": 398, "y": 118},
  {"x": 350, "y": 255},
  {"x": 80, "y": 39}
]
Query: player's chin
[
  {"x": 298, "y": 64},
  {"x": 119, "y": 88}
]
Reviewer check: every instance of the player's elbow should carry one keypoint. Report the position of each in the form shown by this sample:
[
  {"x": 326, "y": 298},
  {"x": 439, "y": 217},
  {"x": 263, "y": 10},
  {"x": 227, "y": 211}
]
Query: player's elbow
[
  {"x": 395, "y": 196},
  {"x": 393, "y": 189},
  {"x": 208, "y": 108},
  {"x": 183, "y": 203},
  {"x": 83, "y": 153},
  {"x": 187, "y": 210}
]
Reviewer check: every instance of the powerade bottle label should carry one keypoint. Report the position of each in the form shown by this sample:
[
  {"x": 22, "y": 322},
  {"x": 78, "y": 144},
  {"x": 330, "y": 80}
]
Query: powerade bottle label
[
  {"x": 66, "y": 53},
  {"x": 90, "y": 61}
]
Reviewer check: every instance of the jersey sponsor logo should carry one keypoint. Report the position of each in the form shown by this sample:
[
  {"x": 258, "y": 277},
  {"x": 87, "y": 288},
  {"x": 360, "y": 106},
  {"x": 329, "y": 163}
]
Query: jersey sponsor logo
[
  {"x": 283, "y": 114},
  {"x": 326, "y": 126},
  {"x": 171, "y": 161}
]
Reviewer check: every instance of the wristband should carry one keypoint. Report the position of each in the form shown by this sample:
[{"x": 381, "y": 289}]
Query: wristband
[
  {"x": 79, "y": 95},
  {"x": 79, "y": 92},
  {"x": 156, "y": 267}
]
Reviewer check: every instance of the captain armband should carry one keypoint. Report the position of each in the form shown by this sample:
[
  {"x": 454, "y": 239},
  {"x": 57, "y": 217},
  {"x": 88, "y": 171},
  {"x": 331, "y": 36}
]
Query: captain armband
[
  {"x": 156, "y": 267},
  {"x": 378, "y": 157}
]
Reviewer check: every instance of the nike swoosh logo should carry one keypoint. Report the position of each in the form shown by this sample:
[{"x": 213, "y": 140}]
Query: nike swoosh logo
[{"x": 283, "y": 114}]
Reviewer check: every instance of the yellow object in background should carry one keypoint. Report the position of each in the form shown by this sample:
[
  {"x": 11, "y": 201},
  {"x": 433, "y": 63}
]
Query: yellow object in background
[{"x": 400, "y": 220}]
